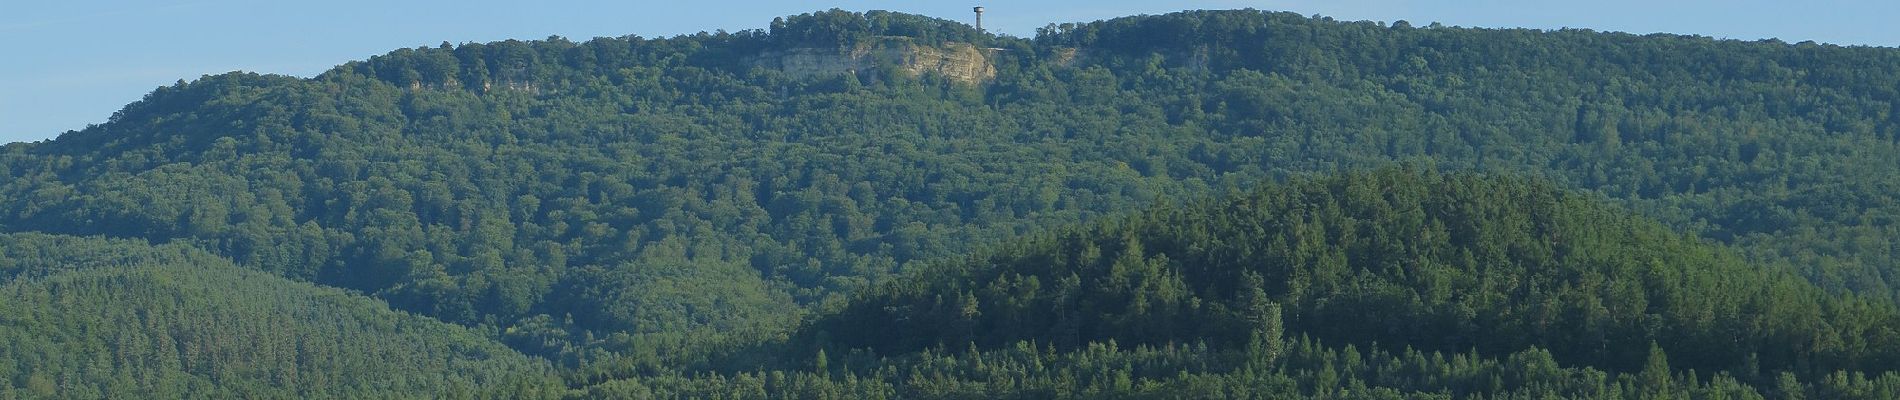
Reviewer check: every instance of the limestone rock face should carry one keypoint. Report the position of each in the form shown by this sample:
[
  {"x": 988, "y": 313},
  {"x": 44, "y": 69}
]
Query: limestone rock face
[{"x": 961, "y": 62}]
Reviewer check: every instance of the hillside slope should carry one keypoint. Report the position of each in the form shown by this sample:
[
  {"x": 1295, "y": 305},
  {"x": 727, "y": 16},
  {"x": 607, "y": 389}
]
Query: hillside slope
[{"x": 184, "y": 325}]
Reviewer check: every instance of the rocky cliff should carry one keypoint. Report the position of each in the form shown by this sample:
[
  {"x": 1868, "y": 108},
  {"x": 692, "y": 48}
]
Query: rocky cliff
[{"x": 961, "y": 62}]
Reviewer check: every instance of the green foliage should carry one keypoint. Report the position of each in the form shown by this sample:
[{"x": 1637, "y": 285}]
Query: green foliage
[
  {"x": 839, "y": 28},
  {"x": 34, "y": 255},
  {"x": 181, "y": 324},
  {"x": 1396, "y": 257},
  {"x": 656, "y": 215},
  {"x": 1310, "y": 370}
]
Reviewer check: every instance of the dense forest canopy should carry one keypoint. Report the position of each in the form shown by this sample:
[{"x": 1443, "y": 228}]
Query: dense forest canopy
[
  {"x": 688, "y": 217},
  {"x": 1397, "y": 257},
  {"x": 93, "y": 318}
]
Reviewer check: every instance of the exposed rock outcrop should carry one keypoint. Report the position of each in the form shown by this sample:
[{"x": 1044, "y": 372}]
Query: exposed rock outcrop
[{"x": 961, "y": 62}]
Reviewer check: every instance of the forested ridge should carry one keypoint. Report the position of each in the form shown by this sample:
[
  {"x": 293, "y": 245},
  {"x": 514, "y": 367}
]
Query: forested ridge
[{"x": 1152, "y": 206}]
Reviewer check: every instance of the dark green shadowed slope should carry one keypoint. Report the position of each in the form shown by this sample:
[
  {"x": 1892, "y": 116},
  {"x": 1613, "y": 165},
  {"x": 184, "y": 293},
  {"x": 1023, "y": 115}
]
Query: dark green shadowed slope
[{"x": 1399, "y": 258}]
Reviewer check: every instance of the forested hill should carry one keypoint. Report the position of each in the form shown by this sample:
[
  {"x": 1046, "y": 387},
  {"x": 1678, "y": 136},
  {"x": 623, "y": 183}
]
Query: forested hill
[
  {"x": 652, "y": 208},
  {"x": 1393, "y": 258},
  {"x": 1392, "y": 283}
]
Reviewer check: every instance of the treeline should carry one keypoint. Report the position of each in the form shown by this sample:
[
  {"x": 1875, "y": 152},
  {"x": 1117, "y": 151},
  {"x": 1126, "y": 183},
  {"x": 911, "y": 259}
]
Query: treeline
[
  {"x": 1300, "y": 368},
  {"x": 33, "y": 255}
]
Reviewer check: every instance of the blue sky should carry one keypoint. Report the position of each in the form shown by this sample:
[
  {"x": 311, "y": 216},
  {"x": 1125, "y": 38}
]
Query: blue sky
[{"x": 72, "y": 63}]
